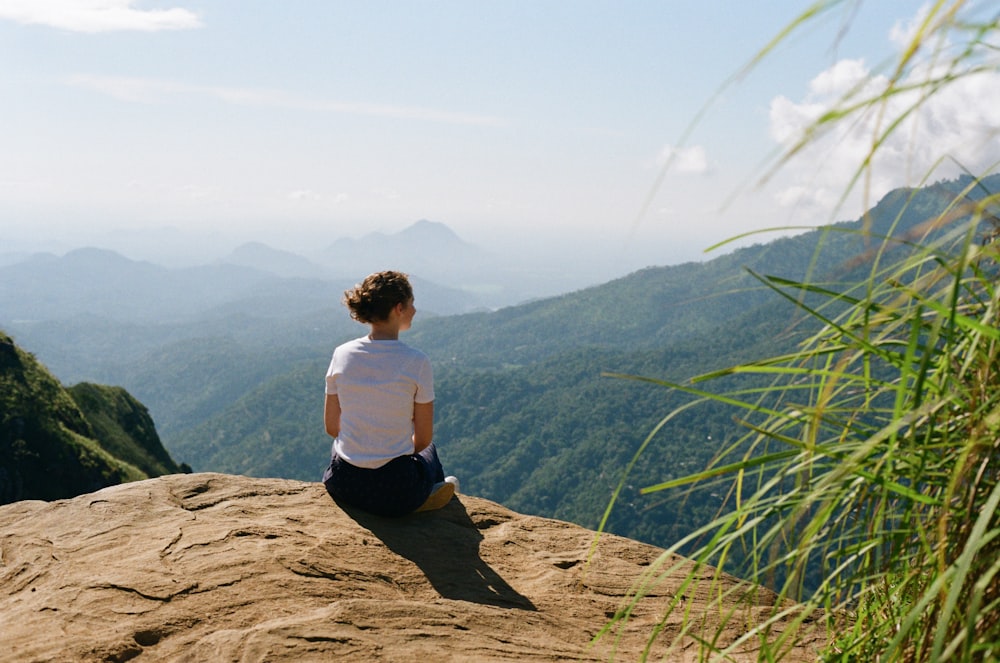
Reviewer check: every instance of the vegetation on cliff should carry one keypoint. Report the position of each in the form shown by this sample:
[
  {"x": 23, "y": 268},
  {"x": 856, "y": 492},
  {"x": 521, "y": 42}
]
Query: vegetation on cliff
[
  {"x": 872, "y": 457},
  {"x": 57, "y": 443}
]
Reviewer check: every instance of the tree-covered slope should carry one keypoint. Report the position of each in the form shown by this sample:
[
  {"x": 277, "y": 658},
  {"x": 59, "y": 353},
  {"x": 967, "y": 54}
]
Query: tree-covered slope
[
  {"x": 272, "y": 430},
  {"x": 123, "y": 427},
  {"x": 659, "y": 306},
  {"x": 524, "y": 413},
  {"x": 552, "y": 438},
  {"x": 53, "y": 447}
]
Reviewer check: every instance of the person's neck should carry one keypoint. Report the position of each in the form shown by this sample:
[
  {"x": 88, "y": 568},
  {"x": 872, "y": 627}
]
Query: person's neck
[{"x": 384, "y": 333}]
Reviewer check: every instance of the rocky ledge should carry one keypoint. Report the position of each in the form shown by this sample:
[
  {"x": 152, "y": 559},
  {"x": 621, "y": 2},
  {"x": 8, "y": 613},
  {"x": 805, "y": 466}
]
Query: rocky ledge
[{"x": 213, "y": 567}]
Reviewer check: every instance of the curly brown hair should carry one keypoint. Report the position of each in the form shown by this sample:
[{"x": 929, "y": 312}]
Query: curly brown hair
[{"x": 373, "y": 299}]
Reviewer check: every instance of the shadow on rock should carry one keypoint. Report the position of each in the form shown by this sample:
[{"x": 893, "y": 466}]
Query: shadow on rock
[{"x": 444, "y": 544}]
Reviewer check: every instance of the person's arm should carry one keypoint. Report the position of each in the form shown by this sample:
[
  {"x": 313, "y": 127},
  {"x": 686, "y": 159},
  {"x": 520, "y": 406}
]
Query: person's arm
[
  {"x": 423, "y": 425},
  {"x": 331, "y": 415}
]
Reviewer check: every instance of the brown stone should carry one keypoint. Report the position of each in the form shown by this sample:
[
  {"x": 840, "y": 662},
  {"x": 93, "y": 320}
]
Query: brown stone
[{"x": 213, "y": 567}]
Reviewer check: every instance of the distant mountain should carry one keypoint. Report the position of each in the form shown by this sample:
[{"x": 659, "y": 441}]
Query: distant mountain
[
  {"x": 57, "y": 443},
  {"x": 104, "y": 283},
  {"x": 455, "y": 276},
  {"x": 12, "y": 258},
  {"x": 523, "y": 413},
  {"x": 656, "y": 307},
  {"x": 422, "y": 243},
  {"x": 255, "y": 280},
  {"x": 435, "y": 253},
  {"x": 274, "y": 261}
]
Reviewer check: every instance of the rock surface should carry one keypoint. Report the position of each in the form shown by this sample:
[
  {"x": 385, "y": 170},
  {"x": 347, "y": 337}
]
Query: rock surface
[{"x": 213, "y": 567}]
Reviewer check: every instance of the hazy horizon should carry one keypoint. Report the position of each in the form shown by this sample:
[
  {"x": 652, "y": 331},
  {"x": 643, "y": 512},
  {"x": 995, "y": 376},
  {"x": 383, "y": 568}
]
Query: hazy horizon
[
  {"x": 566, "y": 265},
  {"x": 174, "y": 246},
  {"x": 185, "y": 128}
]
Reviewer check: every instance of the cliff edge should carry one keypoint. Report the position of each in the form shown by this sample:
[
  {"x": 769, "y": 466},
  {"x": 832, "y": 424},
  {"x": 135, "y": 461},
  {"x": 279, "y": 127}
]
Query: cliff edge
[{"x": 199, "y": 567}]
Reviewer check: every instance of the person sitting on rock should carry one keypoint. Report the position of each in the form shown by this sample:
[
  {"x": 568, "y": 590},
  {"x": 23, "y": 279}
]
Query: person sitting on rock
[{"x": 380, "y": 409}]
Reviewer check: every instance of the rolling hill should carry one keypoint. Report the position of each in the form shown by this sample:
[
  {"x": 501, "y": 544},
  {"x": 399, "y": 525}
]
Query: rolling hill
[{"x": 524, "y": 413}]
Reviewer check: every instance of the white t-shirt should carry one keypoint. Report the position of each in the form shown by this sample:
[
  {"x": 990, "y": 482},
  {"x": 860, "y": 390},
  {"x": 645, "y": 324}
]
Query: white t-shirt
[{"x": 377, "y": 383}]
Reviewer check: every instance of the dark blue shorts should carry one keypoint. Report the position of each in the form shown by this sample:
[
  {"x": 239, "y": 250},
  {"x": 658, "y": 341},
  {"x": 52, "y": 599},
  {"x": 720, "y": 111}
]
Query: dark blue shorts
[{"x": 397, "y": 488}]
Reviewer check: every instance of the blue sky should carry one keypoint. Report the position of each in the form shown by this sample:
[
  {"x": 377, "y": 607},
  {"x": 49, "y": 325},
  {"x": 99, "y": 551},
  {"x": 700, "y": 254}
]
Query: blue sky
[{"x": 537, "y": 125}]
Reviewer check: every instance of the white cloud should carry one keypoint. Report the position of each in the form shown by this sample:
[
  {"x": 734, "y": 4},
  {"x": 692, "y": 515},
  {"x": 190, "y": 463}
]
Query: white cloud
[
  {"x": 904, "y": 31},
  {"x": 147, "y": 90},
  {"x": 386, "y": 193},
  {"x": 301, "y": 195},
  {"x": 136, "y": 90},
  {"x": 955, "y": 128},
  {"x": 198, "y": 192},
  {"x": 308, "y": 195},
  {"x": 808, "y": 202},
  {"x": 97, "y": 15},
  {"x": 843, "y": 76},
  {"x": 687, "y": 160}
]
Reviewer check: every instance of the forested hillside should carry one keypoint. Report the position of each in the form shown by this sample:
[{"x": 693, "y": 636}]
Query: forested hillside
[
  {"x": 57, "y": 443},
  {"x": 658, "y": 306},
  {"x": 524, "y": 412}
]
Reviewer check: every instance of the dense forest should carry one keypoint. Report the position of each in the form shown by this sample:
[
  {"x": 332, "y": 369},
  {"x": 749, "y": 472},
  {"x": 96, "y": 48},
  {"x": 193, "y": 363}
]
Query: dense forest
[
  {"x": 532, "y": 410},
  {"x": 57, "y": 442},
  {"x": 528, "y": 413}
]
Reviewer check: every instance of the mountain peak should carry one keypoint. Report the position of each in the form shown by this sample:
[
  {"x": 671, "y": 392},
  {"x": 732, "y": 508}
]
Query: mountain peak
[
  {"x": 237, "y": 568},
  {"x": 424, "y": 233},
  {"x": 279, "y": 262},
  {"x": 92, "y": 255},
  {"x": 430, "y": 231}
]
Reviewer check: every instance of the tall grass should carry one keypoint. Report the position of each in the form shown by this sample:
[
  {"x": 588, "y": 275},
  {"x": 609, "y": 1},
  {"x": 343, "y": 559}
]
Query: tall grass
[{"x": 865, "y": 489}]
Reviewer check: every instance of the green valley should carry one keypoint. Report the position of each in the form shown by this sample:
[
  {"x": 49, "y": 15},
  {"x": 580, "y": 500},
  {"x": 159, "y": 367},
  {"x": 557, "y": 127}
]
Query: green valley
[{"x": 527, "y": 412}]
